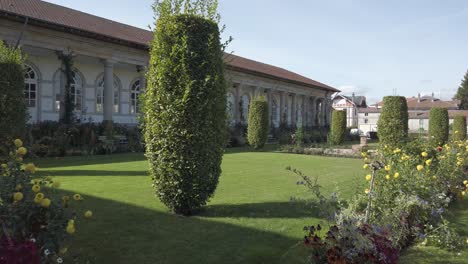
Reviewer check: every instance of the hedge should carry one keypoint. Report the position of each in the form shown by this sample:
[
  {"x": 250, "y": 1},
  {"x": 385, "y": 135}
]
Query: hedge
[
  {"x": 393, "y": 121},
  {"x": 257, "y": 130},
  {"x": 185, "y": 111},
  {"x": 438, "y": 125},
  {"x": 13, "y": 111},
  {"x": 338, "y": 127},
  {"x": 459, "y": 127}
]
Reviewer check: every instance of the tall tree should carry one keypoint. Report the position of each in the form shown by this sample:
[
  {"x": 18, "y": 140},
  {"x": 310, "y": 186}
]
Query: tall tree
[{"x": 462, "y": 93}]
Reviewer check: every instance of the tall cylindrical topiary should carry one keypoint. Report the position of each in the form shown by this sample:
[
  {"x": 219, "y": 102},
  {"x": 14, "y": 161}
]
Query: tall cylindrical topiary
[
  {"x": 392, "y": 127},
  {"x": 185, "y": 115},
  {"x": 257, "y": 129},
  {"x": 13, "y": 111},
  {"x": 459, "y": 128},
  {"x": 338, "y": 127},
  {"x": 438, "y": 126}
]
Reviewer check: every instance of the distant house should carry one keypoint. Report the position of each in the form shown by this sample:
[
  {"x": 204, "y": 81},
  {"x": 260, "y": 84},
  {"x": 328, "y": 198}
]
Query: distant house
[
  {"x": 350, "y": 104},
  {"x": 418, "y": 113}
]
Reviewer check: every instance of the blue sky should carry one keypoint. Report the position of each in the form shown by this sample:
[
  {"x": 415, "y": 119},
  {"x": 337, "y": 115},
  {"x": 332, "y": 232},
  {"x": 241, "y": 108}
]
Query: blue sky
[{"x": 364, "y": 46}]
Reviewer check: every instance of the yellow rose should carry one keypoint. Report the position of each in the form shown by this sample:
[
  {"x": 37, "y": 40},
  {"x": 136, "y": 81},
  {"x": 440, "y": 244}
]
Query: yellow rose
[
  {"x": 397, "y": 150},
  {"x": 88, "y": 214},
  {"x": 463, "y": 193},
  {"x": 365, "y": 166},
  {"x": 19, "y": 187},
  {"x": 77, "y": 197},
  {"x": 424, "y": 154},
  {"x": 434, "y": 177},
  {"x": 388, "y": 167},
  {"x": 459, "y": 163},
  {"x": 396, "y": 175},
  {"x": 18, "y": 143},
  {"x": 19, "y": 159},
  {"x": 364, "y": 154},
  {"x": 45, "y": 202},
  {"x": 38, "y": 198},
  {"x": 366, "y": 191},
  {"x": 368, "y": 177},
  {"x": 30, "y": 167},
  {"x": 456, "y": 132},
  {"x": 4, "y": 166},
  {"x": 70, "y": 229},
  {"x": 387, "y": 177},
  {"x": 36, "y": 188},
  {"x": 465, "y": 182},
  {"x": 428, "y": 162},
  {"x": 56, "y": 184},
  {"x": 17, "y": 196},
  {"x": 22, "y": 151},
  {"x": 420, "y": 167}
]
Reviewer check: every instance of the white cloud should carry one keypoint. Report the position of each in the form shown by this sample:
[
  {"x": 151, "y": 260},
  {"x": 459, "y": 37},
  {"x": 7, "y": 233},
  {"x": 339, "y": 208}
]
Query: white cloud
[{"x": 349, "y": 89}]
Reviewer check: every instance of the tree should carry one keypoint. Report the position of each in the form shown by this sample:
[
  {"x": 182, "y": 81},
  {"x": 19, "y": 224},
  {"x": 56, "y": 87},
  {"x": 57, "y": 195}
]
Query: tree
[
  {"x": 393, "y": 121},
  {"x": 438, "y": 126},
  {"x": 338, "y": 127},
  {"x": 258, "y": 125},
  {"x": 462, "y": 93},
  {"x": 13, "y": 111},
  {"x": 459, "y": 128},
  {"x": 185, "y": 108}
]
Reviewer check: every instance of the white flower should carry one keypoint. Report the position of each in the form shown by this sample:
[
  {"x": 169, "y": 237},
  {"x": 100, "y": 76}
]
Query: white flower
[
  {"x": 59, "y": 260},
  {"x": 46, "y": 252},
  {"x": 32, "y": 240}
]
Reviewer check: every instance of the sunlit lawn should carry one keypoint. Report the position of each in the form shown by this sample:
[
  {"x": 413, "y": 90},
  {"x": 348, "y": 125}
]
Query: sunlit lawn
[{"x": 250, "y": 219}]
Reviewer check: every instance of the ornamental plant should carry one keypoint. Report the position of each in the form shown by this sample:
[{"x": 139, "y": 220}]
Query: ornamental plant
[
  {"x": 393, "y": 121},
  {"x": 459, "y": 128},
  {"x": 438, "y": 126},
  {"x": 13, "y": 112},
  {"x": 338, "y": 128},
  {"x": 185, "y": 107},
  {"x": 37, "y": 224},
  {"x": 258, "y": 125}
]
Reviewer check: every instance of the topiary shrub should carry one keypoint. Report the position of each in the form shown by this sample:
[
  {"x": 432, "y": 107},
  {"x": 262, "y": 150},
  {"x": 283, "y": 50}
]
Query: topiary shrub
[
  {"x": 393, "y": 121},
  {"x": 438, "y": 126},
  {"x": 338, "y": 127},
  {"x": 459, "y": 127},
  {"x": 185, "y": 111},
  {"x": 257, "y": 129},
  {"x": 13, "y": 111}
]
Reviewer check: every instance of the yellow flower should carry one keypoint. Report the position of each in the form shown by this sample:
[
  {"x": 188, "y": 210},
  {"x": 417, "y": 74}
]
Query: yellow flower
[
  {"x": 45, "y": 202},
  {"x": 424, "y": 154},
  {"x": 364, "y": 154},
  {"x": 459, "y": 163},
  {"x": 77, "y": 197},
  {"x": 368, "y": 177},
  {"x": 456, "y": 132},
  {"x": 36, "y": 188},
  {"x": 18, "y": 196},
  {"x": 70, "y": 229},
  {"x": 420, "y": 167},
  {"x": 365, "y": 166},
  {"x": 22, "y": 151},
  {"x": 434, "y": 177},
  {"x": 366, "y": 160},
  {"x": 465, "y": 182},
  {"x": 397, "y": 150},
  {"x": 19, "y": 159},
  {"x": 463, "y": 193},
  {"x": 38, "y": 198},
  {"x": 396, "y": 175},
  {"x": 18, "y": 143},
  {"x": 18, "y": 187},
  {"x": 366, "y": 191},
  {"x": 387, "y": 177},
  {"x": 388, "y": 167},
  {"x": 66, "y": 198},
  {"x": 88, "y": 214},
  {"x": 30, "y": 167},
  {"x": 56, "y": 184},
  {"x": 428, "y": 162},
  {"x": 4, "y": 166}
]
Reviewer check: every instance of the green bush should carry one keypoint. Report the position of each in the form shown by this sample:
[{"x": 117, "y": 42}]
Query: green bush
[
  {"x": 13, "y": 112},
  {"x": 393, "y": 121},
  {"x": 459, "y": 128},
  {"x": 438, "y": 126},
  {"x": 338, "y": 127},
  {"x": 257, "y": 130},
  {"x": 185, "y": 111}
]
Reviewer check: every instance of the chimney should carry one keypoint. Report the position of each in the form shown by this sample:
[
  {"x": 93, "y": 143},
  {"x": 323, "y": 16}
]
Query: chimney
[
  {"x": 419, "y": 97},
  {"x": 433, "y": 99},
  {"x": 353, "y": 98}
]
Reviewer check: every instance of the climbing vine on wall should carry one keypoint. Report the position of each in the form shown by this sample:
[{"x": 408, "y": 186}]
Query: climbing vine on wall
[{"x": 67, "y": 103}]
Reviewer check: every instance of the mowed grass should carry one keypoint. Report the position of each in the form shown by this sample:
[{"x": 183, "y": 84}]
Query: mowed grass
[{"x": 251, "y": 218}]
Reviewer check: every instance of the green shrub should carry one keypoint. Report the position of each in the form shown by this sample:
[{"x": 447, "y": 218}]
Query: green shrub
[
  {"x": 185, "y": 111},
  {"x": 338, "y": 127},
  {"x": 459, "y": 128},
  {"x": 257, "y": 130},
  {"x": 438, "y": 126},
  {"x": 299, "y": 136},
  {"x": 13, "y": 112},
  {"x": 393, "y": 121}
]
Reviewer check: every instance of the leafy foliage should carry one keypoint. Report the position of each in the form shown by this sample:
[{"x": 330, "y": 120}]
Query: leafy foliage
[
  {"x": 13, "y": 112},
  {"x": 462, "y": 93},
  {"x": 257, "y": 130},
  {"x": 438, "y": 125},
  {"x": 393, "y": 122},
  {"x": 338, "y": 127},
  {"x": 67, "y": 114},
  {"x": 459, "y": 128},
  {"x": 185, "y": 115}
]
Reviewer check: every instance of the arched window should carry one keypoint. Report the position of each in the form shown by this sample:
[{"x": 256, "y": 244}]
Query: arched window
[
  {"x": 274, "y": 112},
  {"x": 100, "y": 95},
  {"x": 134, "y": 97},
  {"x": 76, "y": 94},
  {"x": 30, "y": 86}
]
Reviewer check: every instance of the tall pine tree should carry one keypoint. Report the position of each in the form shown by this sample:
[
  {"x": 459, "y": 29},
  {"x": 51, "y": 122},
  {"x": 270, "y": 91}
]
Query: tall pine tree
[{"x": 462, "y": 93}]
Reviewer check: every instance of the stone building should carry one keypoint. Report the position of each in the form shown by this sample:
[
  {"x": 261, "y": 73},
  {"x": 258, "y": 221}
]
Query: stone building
[
  {"x": 350, "y": 104},
  {"x": 109, "y": 70}
]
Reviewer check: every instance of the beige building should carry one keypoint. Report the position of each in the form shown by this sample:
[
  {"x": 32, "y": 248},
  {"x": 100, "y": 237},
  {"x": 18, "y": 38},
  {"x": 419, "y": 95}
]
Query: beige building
[
  {"x": 110, "y": 63},
  {"x": 350, "y": 104}
]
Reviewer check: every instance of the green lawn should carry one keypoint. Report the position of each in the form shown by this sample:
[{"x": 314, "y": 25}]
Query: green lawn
[{"x": 250, "y": 219}]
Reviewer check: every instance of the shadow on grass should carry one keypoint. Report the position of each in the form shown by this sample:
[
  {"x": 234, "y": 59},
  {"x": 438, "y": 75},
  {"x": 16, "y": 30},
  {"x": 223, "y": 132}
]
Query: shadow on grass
[
  {"x": 124, "y": 233},
  {"x": 296, "y": 209},
  {"x": 79, "y": 173},
  {"x": 89, "y": 160}
]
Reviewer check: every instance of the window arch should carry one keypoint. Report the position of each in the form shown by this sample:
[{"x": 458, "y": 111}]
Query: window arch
[
  {"x": 30, "y": 86},
  {"x": 135, "y": 92},
  {"x": 76, "y": 91},
  {"x": 100, "y": 95}
]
